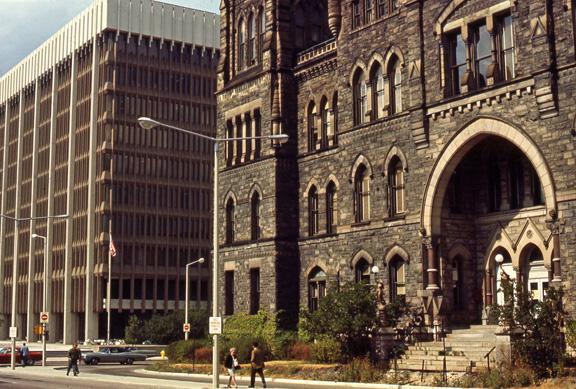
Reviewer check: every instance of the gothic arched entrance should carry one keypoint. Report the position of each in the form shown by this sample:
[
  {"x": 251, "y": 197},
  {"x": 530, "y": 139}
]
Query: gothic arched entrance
[{"x": 489, "y": 184}]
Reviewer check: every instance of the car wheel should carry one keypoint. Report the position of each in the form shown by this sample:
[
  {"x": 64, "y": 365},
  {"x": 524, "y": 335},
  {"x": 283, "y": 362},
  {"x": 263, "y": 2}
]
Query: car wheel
[
  {"x": 129, "y": 361},
  {"x": 94, "y": 361}
]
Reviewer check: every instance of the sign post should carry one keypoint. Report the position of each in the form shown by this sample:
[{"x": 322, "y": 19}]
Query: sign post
[
  {"x": 215, "y": 325},
  {"x": 44, "y": 319}
]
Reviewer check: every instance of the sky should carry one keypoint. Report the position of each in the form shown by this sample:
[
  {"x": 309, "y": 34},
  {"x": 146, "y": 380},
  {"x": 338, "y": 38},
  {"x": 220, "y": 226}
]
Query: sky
[{"x": 26, "y": 24}]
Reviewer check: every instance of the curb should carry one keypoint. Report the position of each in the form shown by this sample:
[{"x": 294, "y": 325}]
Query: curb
[{"x": 304, "y": 383}]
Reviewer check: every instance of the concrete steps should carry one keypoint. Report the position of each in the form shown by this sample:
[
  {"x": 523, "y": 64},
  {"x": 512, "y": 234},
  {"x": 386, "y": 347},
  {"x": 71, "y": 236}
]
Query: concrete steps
[{"x": 464, "y": 348}]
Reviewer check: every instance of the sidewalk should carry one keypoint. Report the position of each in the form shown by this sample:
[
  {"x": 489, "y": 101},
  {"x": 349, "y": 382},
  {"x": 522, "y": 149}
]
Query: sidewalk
[{"x": 161, "y": 380}]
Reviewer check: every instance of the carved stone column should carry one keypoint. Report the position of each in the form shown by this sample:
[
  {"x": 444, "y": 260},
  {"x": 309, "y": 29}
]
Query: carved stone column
[
  {"x": 432, "y": 262},
  {"x": 556, "y": 226}
]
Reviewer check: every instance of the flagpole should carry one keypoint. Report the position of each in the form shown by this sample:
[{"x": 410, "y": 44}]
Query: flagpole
[{"x": 108, "y": 288}]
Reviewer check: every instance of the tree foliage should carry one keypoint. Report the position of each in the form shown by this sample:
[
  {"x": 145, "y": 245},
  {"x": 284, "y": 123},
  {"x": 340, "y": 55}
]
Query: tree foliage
[
  {"x": 348, "y": 314},
  {"x": 164, "y": 329},
  {"x": 535, "y": 327}
]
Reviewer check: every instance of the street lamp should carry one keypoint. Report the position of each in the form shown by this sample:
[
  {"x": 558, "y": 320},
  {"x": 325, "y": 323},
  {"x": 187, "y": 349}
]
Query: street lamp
[
  {"x": 148, "y": 124},
  {"x": 44, "y": 293},
  {"x": 187, "y": 304},
  {"x": 14, "y": 277}
]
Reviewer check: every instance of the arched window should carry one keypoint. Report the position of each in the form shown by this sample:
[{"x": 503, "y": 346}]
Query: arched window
[
  {"x": 457, "y": 282},
  {"x": 396, "y": 185},
  {"x": 360, "y": 98},
  {"x": 261, "y": 32},
  {"x": 395, "y": 77},
  {"x": 362, "y": 271},
  {"x": 331, "y": 208},
  {"x": 361, "y": 194},
  {"x": 241, "y": 44},
  {"x": 325, "y": 122},
  {"x": 230, "y": 221},
  {"x": 397, "y": 278},
  {"x": 312, "y": 211},
  {"x": 515, "y": 182},
  {"x": 316, "y": 288},
  {"x": 312, "y": 129},
  {"x": 378, "y": 89},
  {"x": 255, "y": 216},
  {"x": 251, "y": 40},
  {"x": 334, "y": 140}
]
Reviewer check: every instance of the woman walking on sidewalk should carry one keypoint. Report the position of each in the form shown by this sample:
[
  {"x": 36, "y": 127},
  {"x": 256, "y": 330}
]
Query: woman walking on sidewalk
[{"x": 231, "y": 364}]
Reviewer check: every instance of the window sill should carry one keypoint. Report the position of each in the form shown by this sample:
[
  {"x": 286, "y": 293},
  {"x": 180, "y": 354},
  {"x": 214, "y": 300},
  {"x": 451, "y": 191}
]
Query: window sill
[
  {"x": 393, "y": 218},
  {"x": 377, "y": 121},
  {"x": 361, "y": 224}
]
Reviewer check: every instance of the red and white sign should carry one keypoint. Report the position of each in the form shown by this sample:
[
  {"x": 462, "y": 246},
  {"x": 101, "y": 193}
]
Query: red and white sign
[
  {"x": 186, "y": 327},
  {"x": 44, "y": 317}
]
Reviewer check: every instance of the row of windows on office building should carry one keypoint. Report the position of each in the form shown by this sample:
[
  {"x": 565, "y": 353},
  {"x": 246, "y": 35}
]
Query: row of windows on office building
[
  {"x": 131, "y": 134},
  {"x": 133, "y": 164},
  {"x": 142, "y": 226},
  {"x": 143, "y": 289},
  {"x": 140, "y": 195}
]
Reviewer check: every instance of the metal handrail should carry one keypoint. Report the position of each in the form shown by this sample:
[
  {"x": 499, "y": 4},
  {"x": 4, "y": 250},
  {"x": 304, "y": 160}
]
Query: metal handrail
[{"x": 487, "y": 357}]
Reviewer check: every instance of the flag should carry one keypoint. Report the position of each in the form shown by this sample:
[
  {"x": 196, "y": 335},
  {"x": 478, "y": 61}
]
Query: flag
[{"x": 112, "y": 248}]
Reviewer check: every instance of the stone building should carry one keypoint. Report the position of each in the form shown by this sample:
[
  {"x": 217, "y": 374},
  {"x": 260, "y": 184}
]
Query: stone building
[
  {"x": 426, "y": 138},
  {"x": 71, "y": 144}
]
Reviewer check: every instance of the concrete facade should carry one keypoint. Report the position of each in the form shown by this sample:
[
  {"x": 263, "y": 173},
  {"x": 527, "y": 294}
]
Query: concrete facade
[
  {"x": 464, "y": 149},
  {"x": 71, "y": 145}
]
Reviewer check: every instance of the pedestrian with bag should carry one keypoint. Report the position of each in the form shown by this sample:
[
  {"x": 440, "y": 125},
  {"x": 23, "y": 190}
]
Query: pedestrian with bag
[
  {"x": 24, "y": 352},
  {"x": 231, "y": 364},
  {"x": 74, "y": 355},
  {"x": 257, "y": 365}
]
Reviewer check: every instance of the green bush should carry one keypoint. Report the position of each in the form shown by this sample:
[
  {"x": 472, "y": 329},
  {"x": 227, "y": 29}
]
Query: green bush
[
  {"x": 243, "y": 346},
  {"x": 571, "y": 333},
  {"x": 164, "y": 329},
  {"x": 133, "y": 331},
  {"x": 326, "y": 350},
  {"x": 183, "y": 350},
  {"x": 346, "y": 314}
]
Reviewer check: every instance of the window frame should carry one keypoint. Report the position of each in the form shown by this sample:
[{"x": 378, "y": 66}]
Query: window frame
[
  {"x": 255, "y": 228},
  {"x": 316, "y": 288},
  {"x": 313, "y": 212},
  {"x": 230, "y": 222}
]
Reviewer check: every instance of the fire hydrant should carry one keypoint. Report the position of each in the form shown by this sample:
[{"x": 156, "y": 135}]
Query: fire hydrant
[{"x": 162, "y": 354}]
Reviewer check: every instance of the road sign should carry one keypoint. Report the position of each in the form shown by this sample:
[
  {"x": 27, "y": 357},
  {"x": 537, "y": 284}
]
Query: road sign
[
  {"x": 215, "y": 325},
  {"x": 186, "y": 327},
  {"x": 13, "y": 332},
  {"x": 44, "y": 316}
]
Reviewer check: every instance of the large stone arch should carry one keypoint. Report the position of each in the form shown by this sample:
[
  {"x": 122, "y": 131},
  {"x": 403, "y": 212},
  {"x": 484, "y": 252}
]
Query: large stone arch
[{"x": 462, "y": 142}]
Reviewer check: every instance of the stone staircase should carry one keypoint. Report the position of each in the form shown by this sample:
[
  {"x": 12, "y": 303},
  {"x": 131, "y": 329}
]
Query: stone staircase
[{"x": 465, "y": 351}]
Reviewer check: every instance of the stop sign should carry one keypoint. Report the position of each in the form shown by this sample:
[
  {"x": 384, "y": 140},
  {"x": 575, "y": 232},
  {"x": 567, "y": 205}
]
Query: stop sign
[
  {"x": 186, "y": 327},
  {"x": 44, "y": 317}
]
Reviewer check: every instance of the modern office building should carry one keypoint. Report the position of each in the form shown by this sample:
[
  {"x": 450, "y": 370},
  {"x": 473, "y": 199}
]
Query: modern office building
[
  {"x": 427, "y": 138},
  {"x": 70, "y": 144}
]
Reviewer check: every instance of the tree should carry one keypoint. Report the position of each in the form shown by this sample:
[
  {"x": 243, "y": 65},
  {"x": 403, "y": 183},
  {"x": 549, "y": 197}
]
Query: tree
[
  {"x": 133, "y": 331},
  {"x": 348, "y": 314},
  {"x": 535, "y": 327}
]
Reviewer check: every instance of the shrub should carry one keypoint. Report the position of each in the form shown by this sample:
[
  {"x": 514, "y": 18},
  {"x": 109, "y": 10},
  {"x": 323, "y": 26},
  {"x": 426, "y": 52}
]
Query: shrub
[
  {"x": 361, "y": 370},
  {"x": 571, "y": 333},
  {"x": 300, "y": 351},
  {"x": 243, "y": 346},
  {"x": 326, "y": 350},
  {"x": 203, "y": 354},
  {"x": 282, "y": 342},
  {"x": 180, "y": 351},
  {"x": 348, "y": 314},
  {"x": 535, "y": 328},
  {"x": 133, "y": 331}
]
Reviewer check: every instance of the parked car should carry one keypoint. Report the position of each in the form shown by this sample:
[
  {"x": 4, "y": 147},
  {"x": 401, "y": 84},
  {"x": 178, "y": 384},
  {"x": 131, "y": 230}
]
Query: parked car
[
  {"x": 33, "y": 356},
  {"x": 122, "y": 355}
]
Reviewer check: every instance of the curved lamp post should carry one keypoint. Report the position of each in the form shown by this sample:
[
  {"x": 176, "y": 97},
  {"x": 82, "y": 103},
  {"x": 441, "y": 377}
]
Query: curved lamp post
[
  {"x": 44, "y": 293},
  {"x": 187, "y": 303},
  {"x": 148, "y": 124}
]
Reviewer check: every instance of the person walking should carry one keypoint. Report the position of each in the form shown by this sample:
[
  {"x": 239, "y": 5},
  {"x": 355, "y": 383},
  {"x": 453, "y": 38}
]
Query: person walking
[
  {"x": 24, "y": 352},
  {"x": 231, "y": 364},
  {"x": 74, "y": 355},
  {"x": 257, "y": 365}
]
